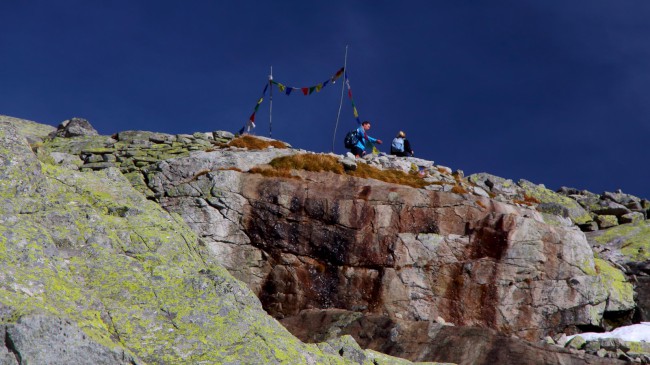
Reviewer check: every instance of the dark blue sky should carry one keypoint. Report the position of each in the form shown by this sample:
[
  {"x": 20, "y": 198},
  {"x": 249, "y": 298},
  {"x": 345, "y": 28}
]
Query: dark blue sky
[{"x": 554, "y": 92}]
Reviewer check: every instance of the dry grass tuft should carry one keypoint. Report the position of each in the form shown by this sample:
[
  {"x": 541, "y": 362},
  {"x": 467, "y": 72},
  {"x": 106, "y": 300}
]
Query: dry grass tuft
[
  {"x": 308, "y": 162},
  {"x": 390, "y": 176},
  {"x": 325, "y": 163},
  {"x": 230, "y": 169},
  {"x": 458, "y": 189},
  {"x": 253, "y": 143},
  {"x": 443, "y": 171},
  {"x": 531, "y": 199},
  {"x": 271, "y": 172},
  {"x": 197, "y": 175},
  {"x": 528, "y": 200},
  {"x": 480, "y": 204}
]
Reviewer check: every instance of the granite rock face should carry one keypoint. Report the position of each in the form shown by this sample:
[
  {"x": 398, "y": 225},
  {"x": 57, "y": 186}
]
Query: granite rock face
[
  {"x": 419, "y": 340},
  {"x": 93, "y": 272},
  {"x": 493, "y": 257},
  {"x": 324, "y": 240},
  {"x": 42, "y": 339}
]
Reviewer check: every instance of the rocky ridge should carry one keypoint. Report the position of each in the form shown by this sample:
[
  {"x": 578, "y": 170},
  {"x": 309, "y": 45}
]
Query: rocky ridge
[
  {"x": 381, "y": 262},
  {"x": 93, "y": 272}
]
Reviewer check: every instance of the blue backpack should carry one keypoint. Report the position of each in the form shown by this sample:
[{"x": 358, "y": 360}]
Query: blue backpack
[{"x": 351, "y": 139}]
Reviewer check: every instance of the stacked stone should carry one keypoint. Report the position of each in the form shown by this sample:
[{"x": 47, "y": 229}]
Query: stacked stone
[
  {"x": 613, "y": 348},
  {"x": 133, "y": 152},
  {"x": 587, "y": 210},
  {"x": 608, "y": 209}
]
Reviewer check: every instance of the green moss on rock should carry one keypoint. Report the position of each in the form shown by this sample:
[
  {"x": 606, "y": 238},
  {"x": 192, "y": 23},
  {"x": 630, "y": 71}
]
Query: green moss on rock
[
  {"x": 577, "y": 213},
  {"x": 96, "y": 252},
  {"x": 621, "y": 292},
  {"x": 633, "y": 239}
]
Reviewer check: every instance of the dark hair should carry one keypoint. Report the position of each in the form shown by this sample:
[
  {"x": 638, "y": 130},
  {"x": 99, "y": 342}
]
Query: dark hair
[{"x": 365, "y": 122}]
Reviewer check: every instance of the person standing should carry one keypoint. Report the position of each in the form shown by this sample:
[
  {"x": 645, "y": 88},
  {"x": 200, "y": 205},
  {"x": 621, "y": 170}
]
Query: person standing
[
  {"x": 401, "y": 146},
  {"x": 363, "y": 140}
]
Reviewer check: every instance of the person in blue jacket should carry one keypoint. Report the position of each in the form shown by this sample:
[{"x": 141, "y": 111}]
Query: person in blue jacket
[{"x": 363, "y": 140}]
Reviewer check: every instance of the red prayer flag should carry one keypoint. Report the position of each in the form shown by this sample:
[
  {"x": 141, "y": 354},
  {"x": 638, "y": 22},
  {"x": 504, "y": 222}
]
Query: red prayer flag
[{"x": 305, "y": 90}]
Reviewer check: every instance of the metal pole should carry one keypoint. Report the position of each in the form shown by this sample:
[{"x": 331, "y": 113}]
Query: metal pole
[
  {"x": 271, "y": 104},
  {"x": 345, "y": 69}
]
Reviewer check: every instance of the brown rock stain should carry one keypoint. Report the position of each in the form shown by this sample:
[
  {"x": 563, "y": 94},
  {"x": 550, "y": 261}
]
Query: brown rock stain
[{"x": 474, "y": 300}]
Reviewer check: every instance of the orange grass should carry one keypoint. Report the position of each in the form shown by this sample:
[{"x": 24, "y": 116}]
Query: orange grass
[
  {"x": 253, "y": 143},
  {"x": 459, "y": 189},
  {"x": 390, "y": 176},
  {"x": 528, "y": 200},
  {"x": 326, "y": 163},
  {"x": 308, "y": 162},
  {"x": 271, "y": 172}
]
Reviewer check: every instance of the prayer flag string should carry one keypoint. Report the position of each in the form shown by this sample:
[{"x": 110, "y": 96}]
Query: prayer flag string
[
  {"x": 250, "y": 123},
  {"x": 355, "y": 112},
  {"x": 310, "y": 89}
]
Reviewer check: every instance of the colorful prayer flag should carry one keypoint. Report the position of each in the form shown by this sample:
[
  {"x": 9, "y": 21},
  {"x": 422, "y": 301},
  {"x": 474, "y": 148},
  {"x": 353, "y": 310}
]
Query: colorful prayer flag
[
  {"x": 305, "y": 91},
  {"x": 249, "y": 125},
  {"x": 308, "y": 90}
]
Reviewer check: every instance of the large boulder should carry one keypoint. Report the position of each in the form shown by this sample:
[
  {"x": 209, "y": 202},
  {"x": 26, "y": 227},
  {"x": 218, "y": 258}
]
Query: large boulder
[
  {"x": 93, "y": 272},
  {"x": 32, "y": 131},
  {"x": 322, "y": 240},
  {"x": 624, "y": 243},
  {"x": 539, "y": 192},
  {"x": 75, "y": 127},
  {"x": 432, "y": 341},
  {"x": 43, "y": 339}
]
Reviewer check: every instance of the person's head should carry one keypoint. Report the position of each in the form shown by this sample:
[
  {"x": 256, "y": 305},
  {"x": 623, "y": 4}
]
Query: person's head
[
  {"x": 366, "y": 124},
  {"x": 401, "y": 134}
]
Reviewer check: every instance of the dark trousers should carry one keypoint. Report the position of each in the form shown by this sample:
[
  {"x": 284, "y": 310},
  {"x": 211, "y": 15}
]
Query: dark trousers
[{"x": 357, "y": 151}]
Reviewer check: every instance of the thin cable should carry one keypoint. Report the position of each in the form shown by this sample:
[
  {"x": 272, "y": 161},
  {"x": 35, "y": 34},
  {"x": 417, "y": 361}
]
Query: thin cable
[
  {"x": 345, "y": 69},
  {"x": 271, "y": 104}
]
